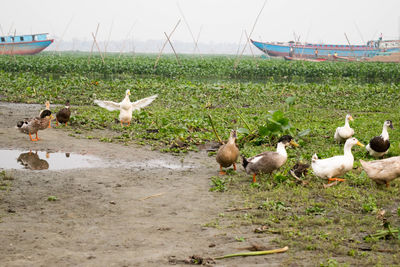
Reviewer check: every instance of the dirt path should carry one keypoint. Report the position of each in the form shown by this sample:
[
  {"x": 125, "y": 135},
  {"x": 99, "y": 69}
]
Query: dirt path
[{"x": 102, "y": 216}]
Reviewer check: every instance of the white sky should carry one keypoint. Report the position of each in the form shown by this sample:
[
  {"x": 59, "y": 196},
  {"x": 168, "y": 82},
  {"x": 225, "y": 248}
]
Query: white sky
[{"x": 220, "y": 21}]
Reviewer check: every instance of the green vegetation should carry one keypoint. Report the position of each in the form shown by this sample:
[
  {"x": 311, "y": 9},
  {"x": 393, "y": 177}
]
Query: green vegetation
[
  {"x": 263, "y": 99},
  {"x": 52, "y": 198},
  {"x": 5, "y": 181}
]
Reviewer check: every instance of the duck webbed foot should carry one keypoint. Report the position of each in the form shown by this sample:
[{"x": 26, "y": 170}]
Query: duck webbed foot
[
  {"x": 336, "y": 179},
  {"x": 221, "y": 172},
  {"x": 32, "y": 138},
  {"x": 254, "y": 178},
  {"x": 128, "y": 123}
]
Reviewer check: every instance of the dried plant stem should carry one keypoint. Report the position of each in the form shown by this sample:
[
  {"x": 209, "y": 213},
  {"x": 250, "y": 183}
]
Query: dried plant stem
[
  {"x": 240, "y": 116},
  {"x": 254, "y": 253},
  {"x": 213, "y": 127}
]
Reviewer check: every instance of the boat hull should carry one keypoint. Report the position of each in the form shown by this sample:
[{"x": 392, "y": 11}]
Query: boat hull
[
  {"x": 324, "y": 51},
  {"x": 24, "y": 48}
]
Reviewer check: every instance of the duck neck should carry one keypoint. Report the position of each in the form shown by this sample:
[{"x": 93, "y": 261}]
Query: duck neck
[
  {"x": 347, "y": 150},
  {"x": 346, "y": 123},
  {"x": 385, "y": 133},
  {"x": 231, "y": 141},
  {"x": 281, "y": 149}
]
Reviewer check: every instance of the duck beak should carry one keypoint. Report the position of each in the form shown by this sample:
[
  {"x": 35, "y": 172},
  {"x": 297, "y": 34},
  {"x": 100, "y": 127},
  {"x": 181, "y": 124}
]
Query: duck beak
[
  {"x": 359, "y": 144},
  {"x": 293, "y": 143},
  {"x": 351, "y": 118}
]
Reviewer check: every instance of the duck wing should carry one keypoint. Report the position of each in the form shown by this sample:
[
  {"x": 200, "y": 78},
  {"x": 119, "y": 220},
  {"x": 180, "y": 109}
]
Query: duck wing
[
  {"x": 143, "y": 102},
  {"x": 109, "y": 105},
  {"x": 31, "y": 125},
  {"x": 378, "y": 144},
  {"x": 265, "y": 162}
]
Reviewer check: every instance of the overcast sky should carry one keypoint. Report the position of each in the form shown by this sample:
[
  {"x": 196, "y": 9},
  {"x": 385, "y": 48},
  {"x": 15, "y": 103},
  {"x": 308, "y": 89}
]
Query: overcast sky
[{"x": 218, "y": 21}]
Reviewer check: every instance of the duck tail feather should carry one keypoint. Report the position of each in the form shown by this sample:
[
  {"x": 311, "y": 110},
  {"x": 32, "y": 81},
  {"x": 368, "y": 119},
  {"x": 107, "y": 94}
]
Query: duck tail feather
[{"x": 245, "y": 162}]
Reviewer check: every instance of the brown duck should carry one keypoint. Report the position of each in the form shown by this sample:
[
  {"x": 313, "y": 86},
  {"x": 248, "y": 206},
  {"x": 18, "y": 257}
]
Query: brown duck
[
  {"x": 228, "y": 153},
  {"x": 47, "y": 104},
  {"x": 33, "y": 125},
  {"x": 269, "y": 161},
  {"x": 63, "y": 115}
]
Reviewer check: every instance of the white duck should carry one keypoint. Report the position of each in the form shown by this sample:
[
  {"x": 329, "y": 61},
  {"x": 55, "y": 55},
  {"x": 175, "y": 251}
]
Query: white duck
[
  {"x": 345, "y": 132},
  {"x": 330, "y": 168},
  {"x": 379, "y": 145},
  {"x": 126, "y": 107},
  {"x": 382, "y": 171}
]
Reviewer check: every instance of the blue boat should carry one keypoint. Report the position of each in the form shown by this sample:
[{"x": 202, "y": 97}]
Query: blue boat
[
  {"x": 28, "y": 44},
  {"x": 307, "y": 50}
]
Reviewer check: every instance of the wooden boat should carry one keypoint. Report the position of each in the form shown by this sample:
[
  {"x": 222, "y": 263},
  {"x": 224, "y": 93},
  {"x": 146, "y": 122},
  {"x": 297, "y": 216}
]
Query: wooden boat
[
  {"x": 307, "y": 50},
  {"x": 29, "y": 44}
]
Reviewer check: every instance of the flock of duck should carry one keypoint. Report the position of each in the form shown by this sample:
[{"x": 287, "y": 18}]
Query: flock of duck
[
  {"x": 381, "y": 171},
  {"x": 31, "y": 126}
]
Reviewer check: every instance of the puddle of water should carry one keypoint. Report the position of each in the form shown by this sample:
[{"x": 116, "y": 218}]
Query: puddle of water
[
  {"x": 160, "y": 164},
  {"x": 40, "y": 160}
]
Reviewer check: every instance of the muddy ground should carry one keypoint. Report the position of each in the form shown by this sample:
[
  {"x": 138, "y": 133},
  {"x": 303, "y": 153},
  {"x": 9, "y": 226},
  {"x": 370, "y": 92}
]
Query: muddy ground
[{"x": 137, "y": 213}]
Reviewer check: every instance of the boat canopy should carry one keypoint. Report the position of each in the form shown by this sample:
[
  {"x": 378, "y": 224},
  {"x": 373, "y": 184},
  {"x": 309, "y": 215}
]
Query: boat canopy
[{"x": 23, "y": 38}]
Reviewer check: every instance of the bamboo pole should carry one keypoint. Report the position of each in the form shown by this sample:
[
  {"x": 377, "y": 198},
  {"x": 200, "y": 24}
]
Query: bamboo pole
[
  {"x": 251, "y": 50},
  {"x": 10, "y": 30},
  {"x": 240, "y": 42},
  {"x": 12, "y": 48},
  {"x": 173, "y": 49},
  {"x": 124, "y": 41},
  {"x": 91, "y": 49},
  {"x": 359, "y": 32},
  {"x": 351, "y": 48},
  {"x": 98, "y": 48},
  {"x": 108, "y": 39},
  {"x": 304, "y": 45},
  {"x": 254, "y": 25},
  {"x": 197, "y": 40},
  {"x": 62, "y": 36},
  {"x": 191, "y": 33},
  {"x": 165, "y": 43}
]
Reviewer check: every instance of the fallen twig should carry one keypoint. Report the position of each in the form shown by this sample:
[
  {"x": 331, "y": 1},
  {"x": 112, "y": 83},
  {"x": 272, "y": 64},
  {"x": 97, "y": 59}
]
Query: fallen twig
[
  {"x": 155, "y": 195},
  {"x": 331, "y": 184},
  {"x": 237, "y": 209},
  {"x": 297, "y": 178},
  {"x": 254, "y": 253}
]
